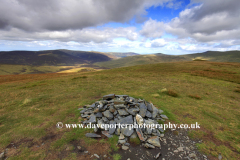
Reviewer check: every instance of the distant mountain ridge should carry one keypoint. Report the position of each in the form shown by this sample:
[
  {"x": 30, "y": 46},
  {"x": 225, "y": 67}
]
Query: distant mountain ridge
[
  {"x": 216, "y": 56},
  {"x": 65, "y": 57},
  {"x": 56, "y": 57}
]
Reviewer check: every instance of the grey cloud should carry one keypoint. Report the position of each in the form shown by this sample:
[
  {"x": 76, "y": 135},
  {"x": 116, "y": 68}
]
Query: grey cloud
[
  {"x": 213, "y": 20},
  {"x": 40, "y": 15},
  {"x": 84, "y": 35}
]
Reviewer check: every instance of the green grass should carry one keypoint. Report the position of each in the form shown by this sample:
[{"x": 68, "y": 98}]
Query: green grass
[
  {"x": 117, "y": 157},
  {"x": 30, "y": 106}
]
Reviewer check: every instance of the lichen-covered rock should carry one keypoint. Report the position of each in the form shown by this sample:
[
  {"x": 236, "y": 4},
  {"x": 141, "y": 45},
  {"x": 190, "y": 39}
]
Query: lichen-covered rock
[
  {"x": 123, "y": 112},
  {"x": 154, "y": 141}
]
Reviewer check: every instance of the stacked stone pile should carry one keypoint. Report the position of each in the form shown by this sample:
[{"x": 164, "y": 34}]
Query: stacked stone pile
[{"x": 122, "y": 109}]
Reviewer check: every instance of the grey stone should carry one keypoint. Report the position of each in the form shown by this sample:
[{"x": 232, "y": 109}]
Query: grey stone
[
  {"x": 154, "y": 141},
  {"x": 105, "y": 120},
  {"x": 112, "y": 109},
  {"x": 118, "y": 131},
  {"x": 119, "y": 102},
  {"x": 125, "y": 147},
  {"x": 84, "y": 110},
  {"x": 127, "y": 131},
  {"x": 109, "y": 96},
  {"x": 123, "y": 112},
  {"x": 127, "y": 144},
  {"x": 84, "y": 115},
  {"x": 96, "y": 155},
  {"x": 99, "y": 115},
  {"x": 2, "y": 155},
  {"x": 95, "y": 129},
  {"x": 121, "y": 136},
  {"x": 133, "y": 111},
  {"x": 106, "y": 133},
  {"x": 101, "y": 123},
  {"x": 149, "y": 131},
  {"x": 121, "y": 141},
  {"x": 126, "y": 120},
  {"x": 160, "y": 111},
  {"x": 92, "y": 119},
  {"x": 120, "y": 106},
  {"x": 143, "y": 110},
  {"x": 124, "y": 96},
  {"x": 112, "y": 129},
  {"x": 115, "y": 113},
  {"x": 134, "y": 135},
  {"x": 85, "y": 151},
  {"x": 108, "y": 114},
  {"x": 158, "y": 155},
  {"x": 164, "y": 116},
  {"x": 149, "y": 107},
  {"x": 155, "y": 112},
  {"x": 148, "y": 114},
  {"x": 192, "y": 155},
  {"x": 147, "y": 145},
  {"x": 92, "y": 135}
]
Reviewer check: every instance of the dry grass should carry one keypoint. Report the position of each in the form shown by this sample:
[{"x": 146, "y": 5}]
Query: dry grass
[{"x": 194, "y": 96}]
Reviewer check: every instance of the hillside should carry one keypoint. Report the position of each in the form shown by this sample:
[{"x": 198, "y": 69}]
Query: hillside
[
  {"x": 141, "y": 59},
  {"x": 228, "y": 56},
  {"x": 216, "y": 56},
  {"x": 51, "y": 57},
  {"x": 187, "y": 92}
]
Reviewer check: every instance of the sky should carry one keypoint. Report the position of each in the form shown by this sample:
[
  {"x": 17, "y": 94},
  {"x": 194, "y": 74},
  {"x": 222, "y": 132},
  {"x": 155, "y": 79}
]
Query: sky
[{"x": 142, "y": 26}]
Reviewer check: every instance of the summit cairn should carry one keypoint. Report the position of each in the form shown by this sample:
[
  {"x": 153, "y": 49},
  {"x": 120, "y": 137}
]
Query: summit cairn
[{"x": 126, "y": 117}]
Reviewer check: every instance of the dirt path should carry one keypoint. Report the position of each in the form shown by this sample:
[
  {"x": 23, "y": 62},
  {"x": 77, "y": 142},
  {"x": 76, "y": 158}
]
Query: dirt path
[{"x": 174, "y": 145}]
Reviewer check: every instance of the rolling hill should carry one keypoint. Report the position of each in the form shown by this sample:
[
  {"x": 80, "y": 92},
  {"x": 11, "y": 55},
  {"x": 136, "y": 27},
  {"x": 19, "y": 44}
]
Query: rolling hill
[{"x": 215, "y": 56}]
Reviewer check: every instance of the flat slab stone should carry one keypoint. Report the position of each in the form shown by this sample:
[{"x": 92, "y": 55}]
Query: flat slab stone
[
  {"x": 147, "y": 145},
  {"x": 118, "y": 102},
  {"x": 126, "y": 120},
  {"x": 125, "y": 147},
  {"x": 109, "y": 96},
  {"x": 127, "y": 131},
  {"x": 108, "y": 114},
  {"x": 164, "y": 116},
  {"x": 92, "y": 135},
  {"x": 112, "y": 129},
  {"x": 154, "y": 141},
  {"x": 148, "y": 114},
  {"x": 155, "y": 112},
  {"x": 92, "y": 119},
  {"x": 149, "y": 107},
  {"x": 106, "y": 133},
  {"x": 140, "y": 134},
  {"x": 120, "y": 106},
  {"x": 133, "y": 111},
  {"x": 98, "y": 115},
  {"x": 143, "y": 110},
  {"x": 123, "y": 112}
]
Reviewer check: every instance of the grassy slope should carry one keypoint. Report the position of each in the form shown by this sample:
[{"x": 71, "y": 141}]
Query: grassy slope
[
  {"x": 31, "y": 105},
  {"x": 229, "y": 56},
  {"x": 139, "y": 60}
]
